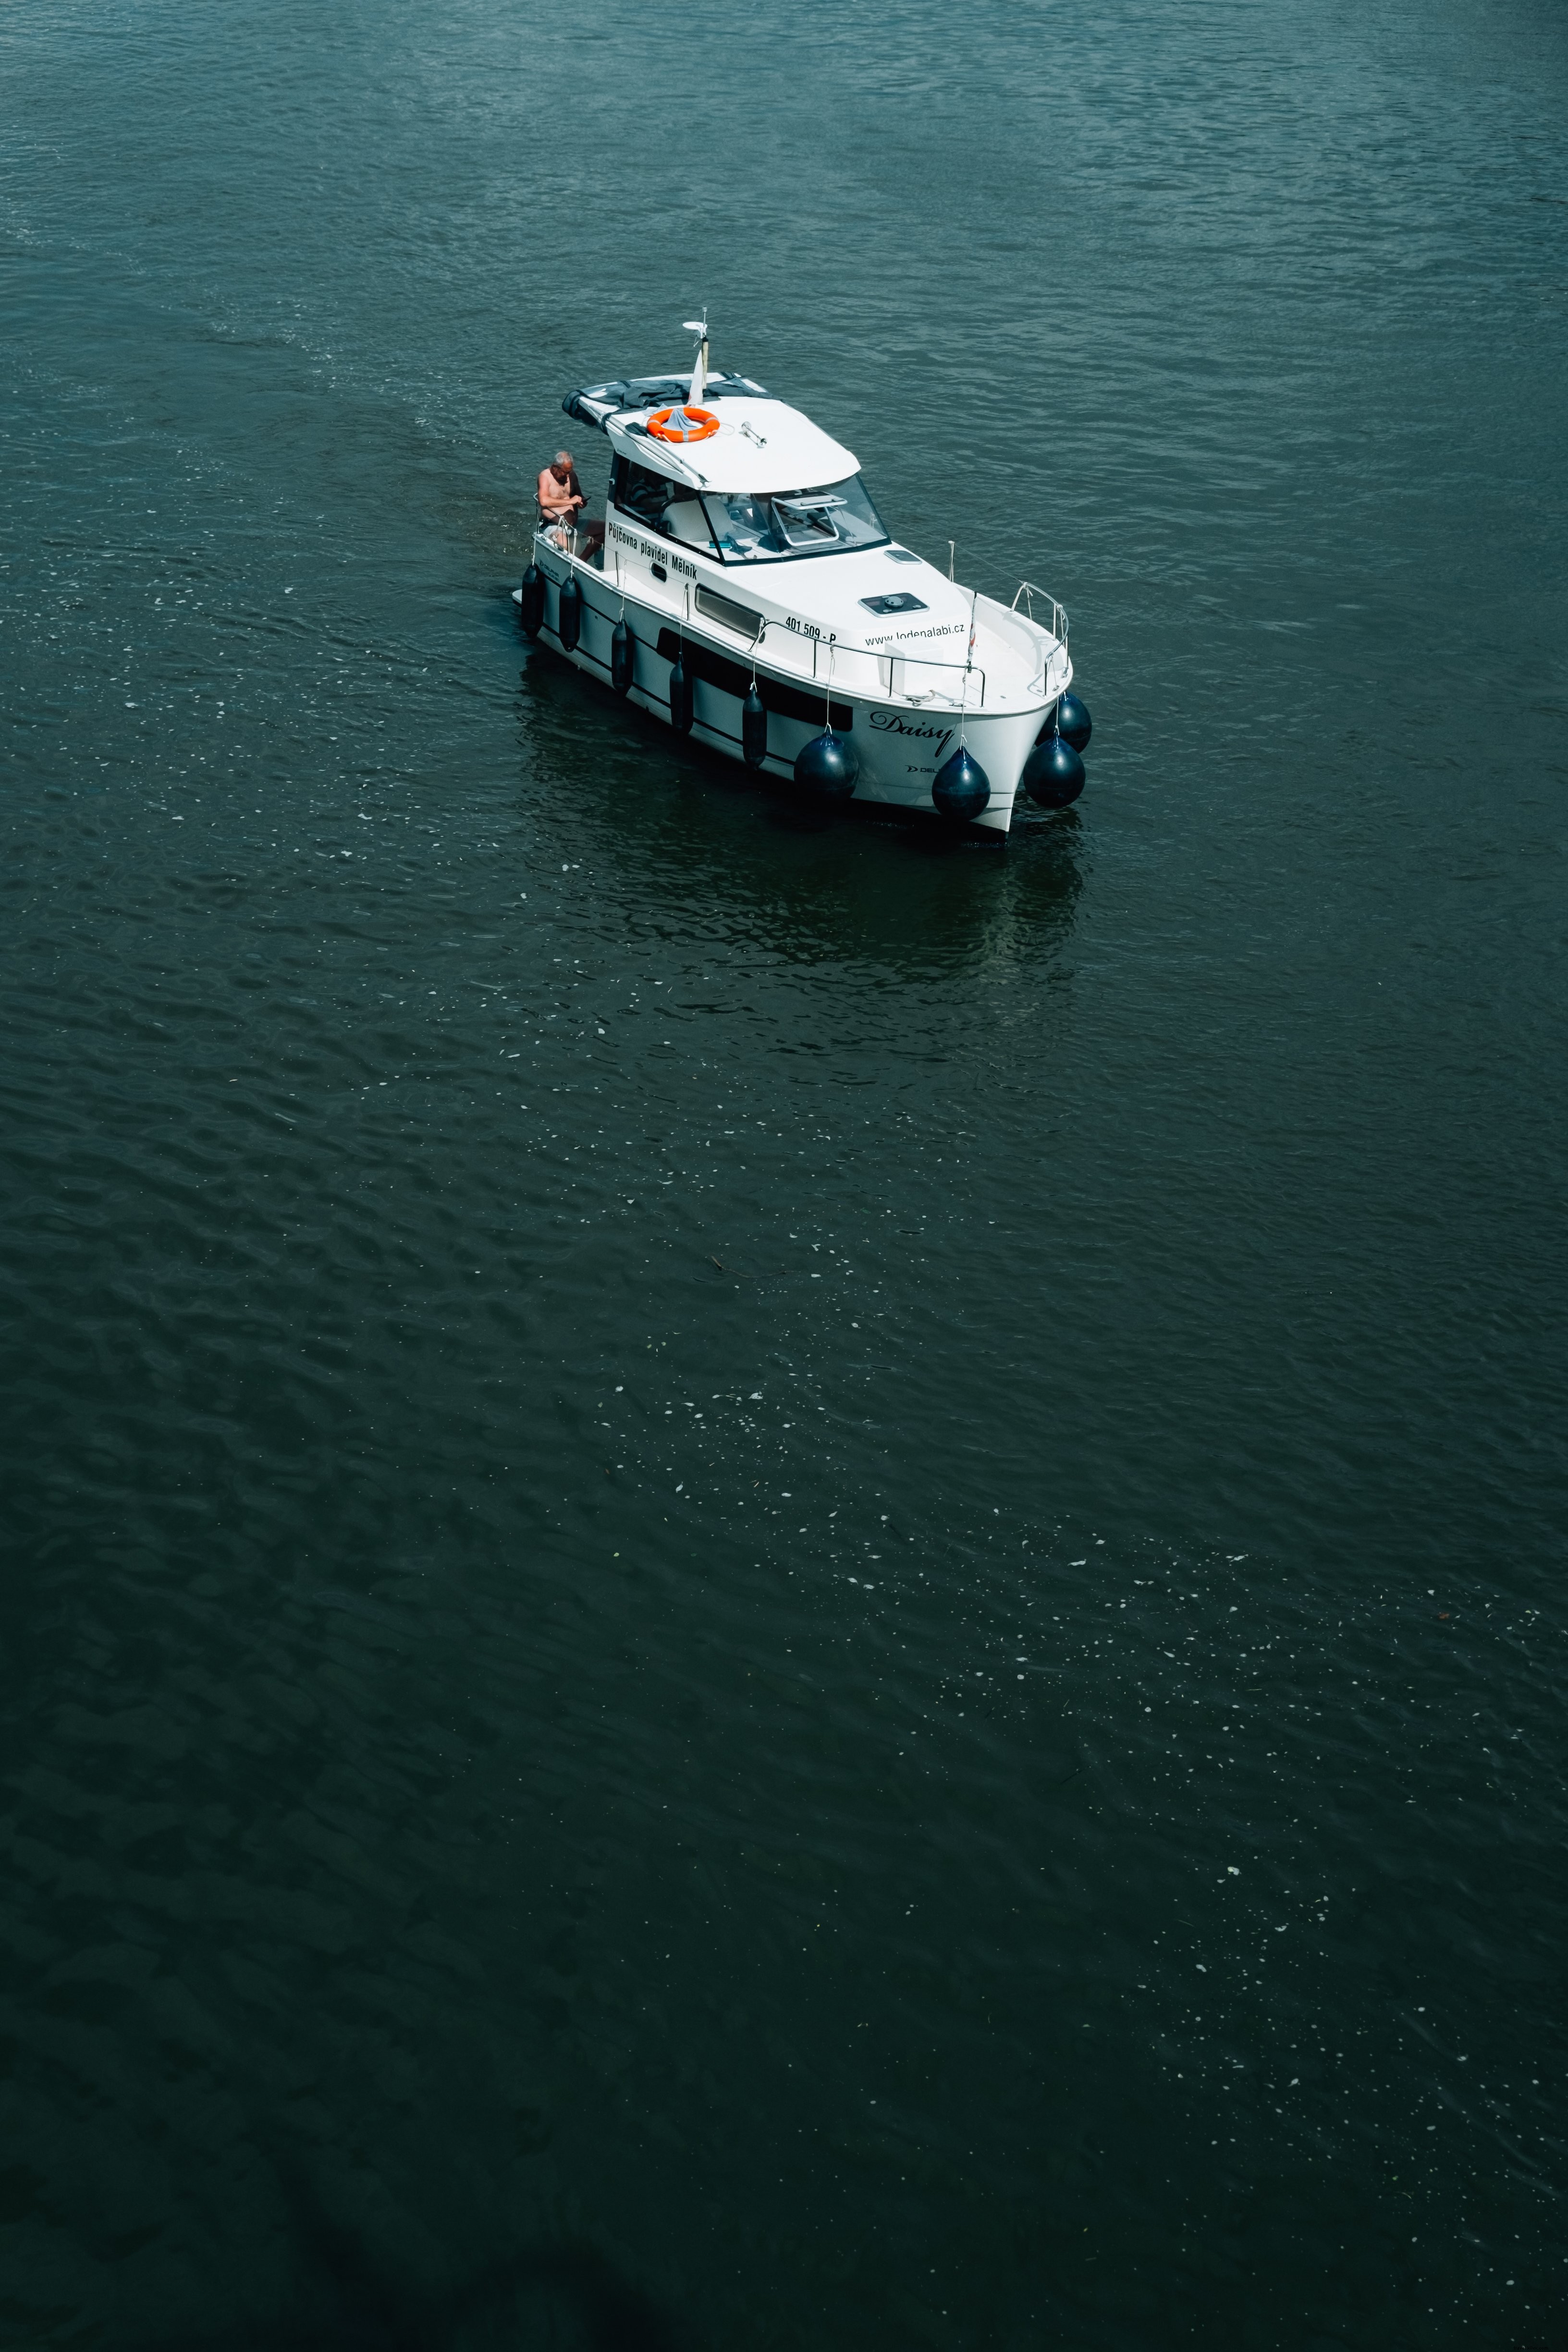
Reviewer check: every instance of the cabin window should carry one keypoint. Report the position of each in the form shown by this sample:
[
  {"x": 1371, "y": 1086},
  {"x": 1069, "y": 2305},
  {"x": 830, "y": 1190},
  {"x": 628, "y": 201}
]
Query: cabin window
[
  {"x": 641, "y": 493},
  {"x": 752, "y": 526},
  {"x": 658, "y": 504},
  {"x": 739, "y": 617},
  {"x": 684, "y": 520}
]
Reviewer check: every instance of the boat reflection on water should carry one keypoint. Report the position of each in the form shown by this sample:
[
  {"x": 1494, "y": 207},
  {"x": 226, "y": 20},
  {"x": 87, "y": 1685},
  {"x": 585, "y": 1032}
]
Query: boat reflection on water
[
  {"x": 556, "y": 2299},
  {"x": 673, "y": 827}
]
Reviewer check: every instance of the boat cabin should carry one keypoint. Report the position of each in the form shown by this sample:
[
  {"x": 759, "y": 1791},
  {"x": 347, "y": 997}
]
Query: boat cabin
[{"x": 767, "y": 487}]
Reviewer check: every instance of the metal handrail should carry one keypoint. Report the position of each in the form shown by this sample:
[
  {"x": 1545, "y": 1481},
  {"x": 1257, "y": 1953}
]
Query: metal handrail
[
  {"x": 879, "y": 655},
  {"x": 1028, "y": 591}
]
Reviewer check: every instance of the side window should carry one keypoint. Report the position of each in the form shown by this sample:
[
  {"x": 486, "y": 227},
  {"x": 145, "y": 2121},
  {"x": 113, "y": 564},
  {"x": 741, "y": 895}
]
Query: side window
[
  {"x": 641, "y": 493},
  {"x": 684, "y": 520}
]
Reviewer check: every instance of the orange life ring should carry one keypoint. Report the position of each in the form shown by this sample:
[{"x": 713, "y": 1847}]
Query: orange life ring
[{"x": 683, "y": 424}]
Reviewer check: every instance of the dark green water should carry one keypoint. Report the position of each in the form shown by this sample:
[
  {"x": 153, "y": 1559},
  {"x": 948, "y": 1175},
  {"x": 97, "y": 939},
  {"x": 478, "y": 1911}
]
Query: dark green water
[{"x": 863, "y": 1605}]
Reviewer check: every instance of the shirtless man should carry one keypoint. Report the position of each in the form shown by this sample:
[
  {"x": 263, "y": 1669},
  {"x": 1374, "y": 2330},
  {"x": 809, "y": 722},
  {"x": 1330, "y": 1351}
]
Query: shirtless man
[{"x": 561, "y": 501}]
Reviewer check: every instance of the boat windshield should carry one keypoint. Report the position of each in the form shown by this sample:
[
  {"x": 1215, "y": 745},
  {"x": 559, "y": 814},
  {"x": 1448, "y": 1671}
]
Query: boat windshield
[{"x": 750, "y": 527}]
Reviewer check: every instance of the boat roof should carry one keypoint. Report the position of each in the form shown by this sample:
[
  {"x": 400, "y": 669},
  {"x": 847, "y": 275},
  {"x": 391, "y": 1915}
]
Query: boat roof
[
  {"x": 761, "y": 444},
  {"x": 596, "y": 402}
]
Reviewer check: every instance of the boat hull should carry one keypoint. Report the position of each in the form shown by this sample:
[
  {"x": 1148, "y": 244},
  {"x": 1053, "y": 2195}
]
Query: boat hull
[{"x": 900, "y": 744}]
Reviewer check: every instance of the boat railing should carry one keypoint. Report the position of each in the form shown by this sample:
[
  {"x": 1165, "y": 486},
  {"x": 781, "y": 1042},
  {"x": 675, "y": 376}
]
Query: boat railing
[
  {"x": 831, "y": 661},
  {"x": 905, "y": 674},
  {"x": 1058, "y": 624},
  {"x": 871, "y": 669},
  {"x": 893, "y": 672}
]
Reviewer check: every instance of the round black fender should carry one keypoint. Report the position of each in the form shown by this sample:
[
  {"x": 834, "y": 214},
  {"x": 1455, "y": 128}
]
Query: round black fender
[
  {"x": 961, "y": 789},
  {"x": 1053, "y": 773},
  {"x": 1073, "y": 723},
  {"x": 826, "y": 767}
]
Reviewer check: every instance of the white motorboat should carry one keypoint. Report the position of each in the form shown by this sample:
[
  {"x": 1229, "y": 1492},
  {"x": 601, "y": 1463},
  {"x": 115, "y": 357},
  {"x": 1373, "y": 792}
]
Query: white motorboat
[{"x": 747, "y": 592}]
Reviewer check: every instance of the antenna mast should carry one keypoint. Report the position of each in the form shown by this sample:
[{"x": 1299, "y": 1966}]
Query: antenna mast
[{"x": 699, "y": 326}]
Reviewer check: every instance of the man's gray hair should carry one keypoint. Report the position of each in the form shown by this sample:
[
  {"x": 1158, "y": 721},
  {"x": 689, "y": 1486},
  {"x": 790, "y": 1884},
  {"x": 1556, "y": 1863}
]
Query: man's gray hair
[{"x": 563, "y": 456}]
